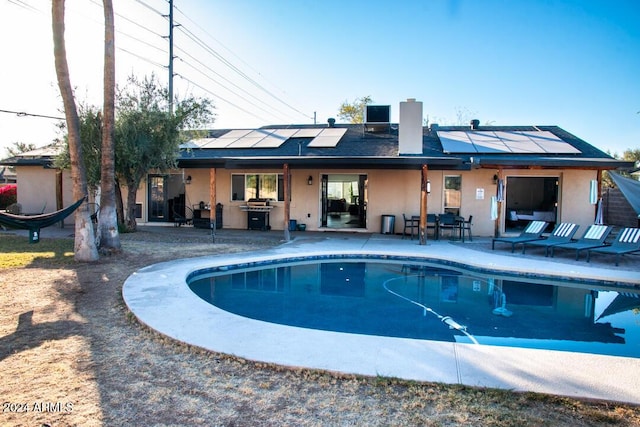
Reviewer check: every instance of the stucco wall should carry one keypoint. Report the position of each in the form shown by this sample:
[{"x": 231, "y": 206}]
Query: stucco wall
[
  {"x": 573, "y": 200},
  {"x": 392, "y": 192},
  {"x": 37, "y": 190}
]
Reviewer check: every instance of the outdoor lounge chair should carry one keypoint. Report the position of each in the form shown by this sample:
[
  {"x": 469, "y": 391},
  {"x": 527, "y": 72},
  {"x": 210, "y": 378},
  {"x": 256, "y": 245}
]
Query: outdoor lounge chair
[
  {"x": 628, "y": 241},
  {"x": 533, "y": 231},
  {"x": 594, "y": 237},
  {"x": 562, "y": 233}
]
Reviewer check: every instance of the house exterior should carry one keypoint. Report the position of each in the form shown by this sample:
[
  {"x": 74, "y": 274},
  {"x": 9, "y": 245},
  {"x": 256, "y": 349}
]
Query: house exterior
[{"x": 352, "y": 177}]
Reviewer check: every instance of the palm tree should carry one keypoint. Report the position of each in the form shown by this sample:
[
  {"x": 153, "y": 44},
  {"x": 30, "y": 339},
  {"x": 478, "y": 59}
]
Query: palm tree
[
  {"x": 108, "y": 222},
  {"x": 84, "y": 245}
]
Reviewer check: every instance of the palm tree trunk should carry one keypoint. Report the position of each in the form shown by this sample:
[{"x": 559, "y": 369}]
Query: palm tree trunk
[
  {"x": 108, "y": 225},
  {"x": 85, "y": 246}
]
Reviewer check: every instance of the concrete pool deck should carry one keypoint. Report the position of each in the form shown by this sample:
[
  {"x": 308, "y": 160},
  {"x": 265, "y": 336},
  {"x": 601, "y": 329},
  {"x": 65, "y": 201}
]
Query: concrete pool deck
[{"x": 159, "y": 297}]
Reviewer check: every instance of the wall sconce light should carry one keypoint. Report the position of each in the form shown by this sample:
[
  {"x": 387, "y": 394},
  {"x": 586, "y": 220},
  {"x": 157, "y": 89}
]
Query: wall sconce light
[
  {"x": 310, "y": 180},
  {"x": 428, "y": 187},
  {"x": 187, "y": 180},
  {"x": 495, "y": 179}
]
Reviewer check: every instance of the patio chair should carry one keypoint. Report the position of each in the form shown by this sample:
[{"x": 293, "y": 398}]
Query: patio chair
[
  {"x": 533, "y": 231},
  {"x": 465, "y": 226},
  {"x": 562, "y": 233},
  {"x": 594, "y": 237},
  {"x": 450, "y": 222},
  {"x": 411, "y": 224},
  {"x": 628, "y": 241},
  {"x": 432, "y": 223}
]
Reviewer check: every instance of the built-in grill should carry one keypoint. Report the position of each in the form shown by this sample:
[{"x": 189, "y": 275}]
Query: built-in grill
[
  {"x": 257, "y": 205},
  {"x": 257, "y": 214}
]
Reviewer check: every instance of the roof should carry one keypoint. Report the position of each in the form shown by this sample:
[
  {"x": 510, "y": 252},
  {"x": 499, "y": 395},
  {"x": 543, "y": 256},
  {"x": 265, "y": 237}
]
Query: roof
[
  {"x": 380, "y": 150},
  {"x": 357, "y": 147},
  {"x": 43, "y": 156}
]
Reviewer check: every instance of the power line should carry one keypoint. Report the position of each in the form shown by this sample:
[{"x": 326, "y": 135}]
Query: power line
[
  {"x": 157, "y": 64},
  {"x": 223, "y": 99},
  {"x": 24, "y": 5},
  {"x": 24, "y": 114},
  {"x": 226, "y": 80},
  {"x": 150, "y": 7},
  {"x": 240, "y": 96},
  {"x": 236, "y": 56},
  {"x": 226, "y": 62}
]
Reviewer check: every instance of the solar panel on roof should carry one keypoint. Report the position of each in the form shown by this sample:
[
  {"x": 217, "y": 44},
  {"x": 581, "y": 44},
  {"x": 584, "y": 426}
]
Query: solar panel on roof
[
  {"x": 328, "y": 137},
  {"x": 486, "y": 142},
  {"x": 550, "y": 143},
  {"x": 456, "y": 142},
  {"x": 307, "y": 133},
  {"x": 504, "y": 142},
  {"x": 236, "y": 133},
  {"x": 217, "y": 142},
  {"x": 275, "y": 139}
]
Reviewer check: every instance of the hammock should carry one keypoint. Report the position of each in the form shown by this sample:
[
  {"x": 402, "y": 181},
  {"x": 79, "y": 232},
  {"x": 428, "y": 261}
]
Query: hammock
[{"x": 34, "y": 223}]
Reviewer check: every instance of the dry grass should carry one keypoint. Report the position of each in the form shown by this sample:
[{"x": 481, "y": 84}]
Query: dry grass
[{"x": 68, "y": 341}]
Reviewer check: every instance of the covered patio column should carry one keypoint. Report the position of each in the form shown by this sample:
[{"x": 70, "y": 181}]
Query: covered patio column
[
  {"x": 287, "y": 200},
  {"x": 499, "y": 200},
  {"x": 423, "y": 205},
  {"x": 212, "y": 199}
]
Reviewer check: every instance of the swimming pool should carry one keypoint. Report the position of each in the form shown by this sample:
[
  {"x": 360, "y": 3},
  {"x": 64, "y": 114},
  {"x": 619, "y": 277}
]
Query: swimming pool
[
  {"x": 159, "y": 297},
  {"x": 428, "y": 301}
]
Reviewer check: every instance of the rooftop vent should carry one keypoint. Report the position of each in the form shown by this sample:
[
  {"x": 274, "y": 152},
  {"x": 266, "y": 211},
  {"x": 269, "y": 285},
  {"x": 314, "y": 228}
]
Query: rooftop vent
[
  {"x": 331, "y": 121},
  {"x": 475, "y": 123}
]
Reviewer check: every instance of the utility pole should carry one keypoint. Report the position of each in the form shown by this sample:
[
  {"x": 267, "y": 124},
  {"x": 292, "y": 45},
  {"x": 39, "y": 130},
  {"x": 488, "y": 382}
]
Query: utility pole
[{"x": 171, "y": 56}]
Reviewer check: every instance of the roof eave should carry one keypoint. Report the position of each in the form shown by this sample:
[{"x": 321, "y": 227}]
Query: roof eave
[
  {"x": 557, "y": 162},
  {"x": 329, "y": 162}
]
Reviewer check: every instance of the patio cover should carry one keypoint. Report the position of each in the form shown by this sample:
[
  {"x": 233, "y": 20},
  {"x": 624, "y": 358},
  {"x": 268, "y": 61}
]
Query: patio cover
[{"x": 630, "y": 189}]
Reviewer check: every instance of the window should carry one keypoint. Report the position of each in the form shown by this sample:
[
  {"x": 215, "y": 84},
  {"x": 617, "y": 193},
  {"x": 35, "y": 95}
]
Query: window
[
  {"x": 257, "y": 186},
  {"x": 452, "y": 194}
]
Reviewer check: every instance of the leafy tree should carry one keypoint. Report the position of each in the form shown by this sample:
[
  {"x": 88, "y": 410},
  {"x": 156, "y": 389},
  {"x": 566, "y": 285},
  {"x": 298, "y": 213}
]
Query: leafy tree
[
  {"x": 90, "y": 119},
  {"x": 354, "y": 112},
  {"x": 632, "y": 154},
  {"x": 147, "y": 134},
  {"x": 85, "y": 247},
  {"x": 19, "y": 148}
]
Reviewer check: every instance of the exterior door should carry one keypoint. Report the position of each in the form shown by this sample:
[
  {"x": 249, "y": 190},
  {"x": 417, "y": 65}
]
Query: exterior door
[
  {"x": 324, "y": 199},
  {"x": 158, "y": 210}
]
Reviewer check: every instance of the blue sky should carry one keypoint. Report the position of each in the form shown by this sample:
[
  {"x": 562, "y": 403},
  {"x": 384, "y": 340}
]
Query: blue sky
[{"x": 575, "y": 64}]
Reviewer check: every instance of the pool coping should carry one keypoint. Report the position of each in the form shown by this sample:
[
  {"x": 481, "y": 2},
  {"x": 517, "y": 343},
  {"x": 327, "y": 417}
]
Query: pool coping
[{"x": 159, "y": 298}]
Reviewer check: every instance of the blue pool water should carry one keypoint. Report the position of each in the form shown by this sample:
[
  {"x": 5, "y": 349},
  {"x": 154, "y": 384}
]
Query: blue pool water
[{"x": 426, "y": 301}]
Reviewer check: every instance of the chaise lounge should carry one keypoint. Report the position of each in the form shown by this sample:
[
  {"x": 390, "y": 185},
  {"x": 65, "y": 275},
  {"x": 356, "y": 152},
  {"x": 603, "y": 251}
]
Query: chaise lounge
[
  {"x": 533, "y": 231},
  {"x": 594, "y": 237},
  {"x": 628, "y": 241},
  {"x": 562, "y": 233}
]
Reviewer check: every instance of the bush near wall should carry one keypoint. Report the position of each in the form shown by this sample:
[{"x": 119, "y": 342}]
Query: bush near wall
[{"x": 8, "y": 195}]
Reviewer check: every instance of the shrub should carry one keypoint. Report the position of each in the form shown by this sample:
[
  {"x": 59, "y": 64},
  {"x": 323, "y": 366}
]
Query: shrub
[{"x": 8, "y": 195}]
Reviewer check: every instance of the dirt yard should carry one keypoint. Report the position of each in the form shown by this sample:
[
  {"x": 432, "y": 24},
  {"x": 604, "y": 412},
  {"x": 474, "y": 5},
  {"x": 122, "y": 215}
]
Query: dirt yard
[{"x": 72, "y": 355}]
